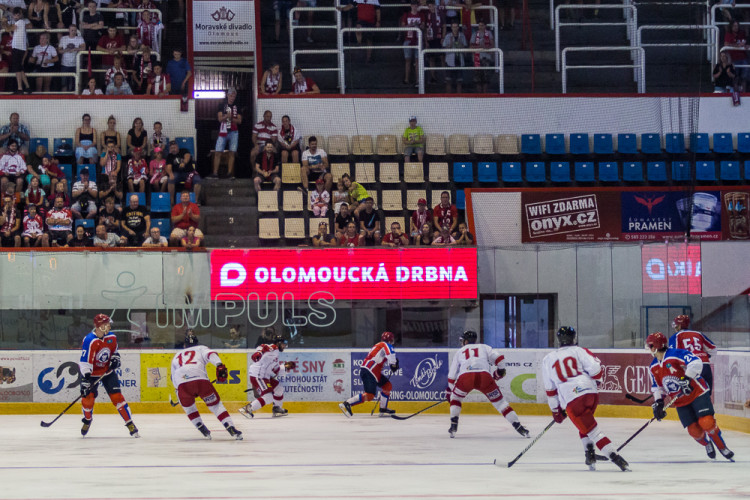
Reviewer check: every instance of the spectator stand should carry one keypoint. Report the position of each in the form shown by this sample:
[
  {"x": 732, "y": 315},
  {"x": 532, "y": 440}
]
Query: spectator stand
[
  {"x": 82, "y": 65},
  {"x": 498, "y": 67}
]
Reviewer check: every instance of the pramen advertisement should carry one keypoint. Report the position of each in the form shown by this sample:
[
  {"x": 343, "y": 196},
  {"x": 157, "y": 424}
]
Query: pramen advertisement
[{"x": 220, "y": 26}]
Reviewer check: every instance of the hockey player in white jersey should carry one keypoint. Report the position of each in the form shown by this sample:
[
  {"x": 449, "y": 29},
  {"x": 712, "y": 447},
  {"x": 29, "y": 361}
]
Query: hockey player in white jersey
[
  {"x": 477, "y": 366},
  {"x": 191, "y": 380},
  {"x": 570, "y": 374},
  {"x": 264, "y": 376}
]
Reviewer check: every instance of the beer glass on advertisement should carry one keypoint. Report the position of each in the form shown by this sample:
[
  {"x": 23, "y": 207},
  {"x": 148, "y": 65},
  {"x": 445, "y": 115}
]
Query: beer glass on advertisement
[
  {"x": 736, "y": 204},
  {"x": 704, "y": 213}
]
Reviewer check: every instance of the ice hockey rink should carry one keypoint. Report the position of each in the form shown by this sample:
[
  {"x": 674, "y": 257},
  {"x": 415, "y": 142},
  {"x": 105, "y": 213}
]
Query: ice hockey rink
[{"x": 327, "y": 456}]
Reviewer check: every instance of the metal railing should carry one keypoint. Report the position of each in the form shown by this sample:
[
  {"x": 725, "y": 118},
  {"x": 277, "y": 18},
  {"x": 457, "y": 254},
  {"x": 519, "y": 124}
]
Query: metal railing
[
  {"x": 676, "y": 3},
  {"x": 81, "y": 67},
  {"x": 728, "y": 48},
  {"x": 722, "y": 7},
  {"x": 40, "y": 75},
  {"x": 293, "y": 27},
  {"x": 498, "y": 67},
  {"x": 630, "y": 23},
  {"x": 711, "y": 43},
  {"x": 639, "y": 66}
]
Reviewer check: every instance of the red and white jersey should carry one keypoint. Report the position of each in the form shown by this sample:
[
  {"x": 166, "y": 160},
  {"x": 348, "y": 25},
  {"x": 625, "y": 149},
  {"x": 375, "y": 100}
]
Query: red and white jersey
[
  {"x": 33, "y": 226},
  {"x": 63, "y": 214},
  {"x": 381, "y": 353},
  {"x": 136, "y": 169},
  {"x": 410, "y": 20},
  {"x": 568, "y": 373},
  {"x": 96, "y": 353},
  {"x": 190, "y": 364},
  {"x": 474, "y": 358},
  {"x": 695, "y": 342},
  {"x": 269, "y": 365},
  {"x": 266, "y": 132},
  {"x": 12, "y": 164},
  {"x": 303, "y": 87}
]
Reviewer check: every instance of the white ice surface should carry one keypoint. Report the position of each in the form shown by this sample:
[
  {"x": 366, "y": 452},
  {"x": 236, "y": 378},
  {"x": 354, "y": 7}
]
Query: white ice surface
[{"x": 327, "y": 456}]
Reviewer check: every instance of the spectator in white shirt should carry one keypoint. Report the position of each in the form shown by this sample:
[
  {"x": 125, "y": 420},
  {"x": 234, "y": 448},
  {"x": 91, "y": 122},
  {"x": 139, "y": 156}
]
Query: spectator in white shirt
[
  {"x": 19, "y": 45},
  {"x": 12, "y": 168},
  {"x": 69, "y": 46},
  {"x": 91, "y": 89},
  {"x": 44, "y": 57},
  {"x": 155, "y": 240}
]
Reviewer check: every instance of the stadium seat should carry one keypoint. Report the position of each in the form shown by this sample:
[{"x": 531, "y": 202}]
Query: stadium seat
[
  {"x": 268, "y": 229},
  {"x": 483, "y": 145},
  {"x": 389, "y": 173},
  {"x": 292, "y": 201},
  {"x": 487, "y": 171},
  {"x": 531, "y": 144},
  {"x": 506, "y": 144},
  {"x": 339, "y": 169},
  {"x": 362, "y": 146},
  {"x": 291, "y": 173},
  {"x": 88, "y": 224},
  {"x": 705, "y": 171},
  {"x": 747, "y": 170},
  {"x": 141, "y": 198},
  {"x": 338, "y": 145},
  {"x": 674, "y": 143},
  {"x": 723, "y": 143},
  {"x": 729, "y": 170},
  {"x": 321, "y": 141},
  {"x": 294, "y": 228},
  {"x": 554, "y": 144},
  {"x": 699, "y": 143},
  {"x": 192, "y": 197},
  {"x": 390, "y": 220},
  {"x": 268, "y": 201},
  {"x": 314, "y": 223},
  {"x": 435, "y": 145},
  {"x": 458, "y": 144},
  {"x": 579, "y": 144},
  {"x": 186, "y": 143},
  {"x": 364, "y": 173},
  {"x": 57, "y": 143},
  {"x": 463, "y": 171},
  {"x": 386, "y": 145},
  {"x": 603, "y": 144},
  {"x": 435, "y": 197},
  {"x": 164, "y": 225},
  {"x": 559, "y": 171},
  {"x": 512, "y": 171},
  {"x": 680, "y": 170},
  {"x": 414, "y": 195},
  {"x": 608, "y": 171},
  {"x": 460, "y": 199},
  {"x": 651, "y": 144},
  {"x": 632, "y": 171},
  {"x": 68, "y": 171},
  {"x": 160, "y": 202},
  {"x": 36, "y": 141},
  {"x": 743, "y": 142},
  {"x": 392, "y": 200},
  {"x": 439, "y": 172},
  {"x": 656, "y": 171},
  {"x": 536, "y": 172},
  {"x": 584, "y": 171},
  {"x": 413, "y": 172},
  {"x": 627, "y": 144}
]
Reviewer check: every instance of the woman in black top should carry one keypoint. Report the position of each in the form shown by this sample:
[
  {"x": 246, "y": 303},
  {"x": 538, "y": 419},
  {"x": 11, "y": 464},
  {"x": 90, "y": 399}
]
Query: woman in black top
[
  {"x": 66, "y": 11},
  {"x": 724, "y": 73},
  {"x": 137, "y": 136}
]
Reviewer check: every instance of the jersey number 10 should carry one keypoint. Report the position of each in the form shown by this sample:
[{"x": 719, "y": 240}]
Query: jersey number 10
[{"x": 569, "y": 366}]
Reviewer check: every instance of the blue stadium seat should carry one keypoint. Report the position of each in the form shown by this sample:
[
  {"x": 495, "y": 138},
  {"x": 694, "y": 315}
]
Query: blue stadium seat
[
  {"x": 36, "y": 141},
  {"x": 723, "y": 143},
  {"x": 656, "y": 171},
  {"x": 141, "y": 198},
  {"x": 463, "y": 171},
  {"x": 59, "y": 141},
  {"x": 559, "y": 171},
  {"x": 743, "y": 142},
  {"x": 584, "y": 171},
  {"x": 554, "y": 144},
  {"x": 88, "y": 224},
  {"x": 460, "y": 199},
  {"x": 536, "y": 171},
  {"x": 747, "y": 170},
  {"x": 608, "y": 171},
  {"x": 603, "y": 144},
  {"x": 487, "y": 171},
  {"x": 192, "y": 197},
  {"x": 160, "y": 202},
  {"x": 651, "y": 144},
  {"x": 699, "y": 143},
  {"x": 674, "y": 143},
  {"x": 579, "y": 144},
  {"x": 164, "y": 225},
  {"x": 68, "y": 171},
  {"x": 186, "y": 143},
  {"x": 680, "y": 170},
  {"x": 632, "y": 171},
  {"x": 531, "y": 144},
  {"x": 512, "y": 171},
  {"x": 627, "y": 144},
  {"x": 729, "y": 170},
  {"x": 705, "y": 171}
]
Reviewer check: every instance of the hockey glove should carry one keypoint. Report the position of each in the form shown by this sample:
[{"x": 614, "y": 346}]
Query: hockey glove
[
  {"x": 559, "y": 415},
  {"x": 394, "y": 366},
  {"x": 115, "y": 362},
  {"x": 684, "y": 384},
  {"x": 256, "y": 356},
  {"x": 499, "y": 373},
  {"x": 658, "y": 407},
  {"x": 221, "y": 373},
  {"x": 290, "y": 365},
  {"x": 87, "y": 385}
]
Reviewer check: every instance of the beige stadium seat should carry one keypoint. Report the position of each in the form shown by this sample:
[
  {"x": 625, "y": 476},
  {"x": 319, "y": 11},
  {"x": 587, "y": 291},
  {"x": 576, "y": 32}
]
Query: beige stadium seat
[
  {"x": 293, "y": 201},
  {"x": 483, "y": 145},
  {"x": 268, "y": 201},
  {"x": 386, "y": 145},
  {"x": 314, "y": 225},
  {"x": 339, "y": 169},
  {"x": 364, "y": 173},
  {"x": 338, "y": 145},
  {"x": 435, "y": 197},
  {"x": 413, "y": 196},
  {"x": 294, "y": 228},
  {"x": 268, "y": 229},
  {"x": 320, "y": 138},
  {"x": 458, "y": 144},
  {"x": 392, "y": 200},
  {"x": 439, "y": 172},
  {"x": 362, "y": 145},
  {"x": 386, "y": 228},
  {"x": 414, "y": 173},
  {"x": 389, "y": 173},
  {"x": 435, "y": 145},
  {"x": 507, "y": 145},
  {"x": 291, "y": 173}
]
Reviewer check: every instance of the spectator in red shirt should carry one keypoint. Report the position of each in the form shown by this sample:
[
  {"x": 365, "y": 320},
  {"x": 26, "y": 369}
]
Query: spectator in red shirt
[
  {"x": 33, "y": 229},
  {"x": 302, "y": 84},
  {"x": 421, "y": 216},
  {"x": 351, "y": 237},
  {"x": 368, "y": 16},
  {"x": 263, "y": 132},
  {"x": 267, "y": 168},
  {"x": 395, "y": 238},
  {"x": 158, "y": 82},
  {"x": 60, "y": 223},
  {"x": 445, "y": 214},
  {"x": 411, "y": 19},
  {"x": 184, "y": 215},
  {"x": 111, "y": 42}
]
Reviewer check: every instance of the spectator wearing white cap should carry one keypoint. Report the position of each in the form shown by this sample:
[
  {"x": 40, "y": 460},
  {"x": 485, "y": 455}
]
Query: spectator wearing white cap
[{"x": 413, "y": 140}]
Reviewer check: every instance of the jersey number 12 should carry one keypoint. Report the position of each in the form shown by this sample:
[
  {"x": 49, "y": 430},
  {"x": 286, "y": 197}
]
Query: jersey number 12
[
  {"x": 188, "y": 355},
  {"x": 568, "y": 366}
]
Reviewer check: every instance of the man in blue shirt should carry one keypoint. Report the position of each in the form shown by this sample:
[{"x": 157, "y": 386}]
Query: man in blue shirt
[{"x": 179, "y": 72}]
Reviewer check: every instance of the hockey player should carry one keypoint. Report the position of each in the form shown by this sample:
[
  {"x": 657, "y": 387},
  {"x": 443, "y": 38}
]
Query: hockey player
[
  {"x": 372, "y": 376},
  {"x": 677, "y": 373},
  {"x": 264, "y": 378},
  {"x": 191, "y": 381},
  {"x": 477, "y": 366},
  {"x": 570, "y": 374},
  {"x": 99, "y": 360},
  {"x": 695, "y": 342}
]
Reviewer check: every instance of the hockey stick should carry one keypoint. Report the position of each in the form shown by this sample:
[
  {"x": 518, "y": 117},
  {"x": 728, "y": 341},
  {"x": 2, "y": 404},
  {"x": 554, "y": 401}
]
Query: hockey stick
[
  {"x": 643, "y": 427},
  {"x": 178, "y": 403},
  {"x": 638, "y": 400},
  {"x": 537, "y": 438},
  {"x": 96, "y": 382},
  {"x": 420, "y": 411}
]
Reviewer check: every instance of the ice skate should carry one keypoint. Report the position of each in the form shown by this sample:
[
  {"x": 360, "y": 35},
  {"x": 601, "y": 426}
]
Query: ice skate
[
  {"x": 710, "y": 450},
  {"x": 385, "y": 412},
  {"x": 278, "y": 411},
  {"x": 204, "y": 430},
  {"x": 619, "y": 461},
  {"x": 590, "y": 456},
  {"x": 727, "y": 453},
  {"x": 521, "y": 429},
  {"x": 246, "y": 411},
  {"x": 346, "y": 409},
  {"x": 133, "y": 429},
  {"x": 86, "y": 426},
  {"x": 454, "y": 427},
  {"x": 233, "y": 432}
]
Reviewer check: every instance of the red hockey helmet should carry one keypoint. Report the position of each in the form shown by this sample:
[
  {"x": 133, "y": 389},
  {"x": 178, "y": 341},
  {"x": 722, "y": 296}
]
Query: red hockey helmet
[
  {"x": 656, "y": 340},
  {"x": 388, "y": 337},
  {"x": 101, "y": 319},
  {"x": 681, "y": 322}
]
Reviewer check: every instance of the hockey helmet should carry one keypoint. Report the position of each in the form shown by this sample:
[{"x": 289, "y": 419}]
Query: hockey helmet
[
  {"x": 191, "y": 339},
  {"x": 681, "y": 322},
  {"x": 656, "y": 340},
  {"x": 101, "y": 319},
  {"x": 388, "y": 337},
  {"x": 566, "y": 335},
  {"x": 469, "y": 336},
  {"x": 280, "y": 342}
]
